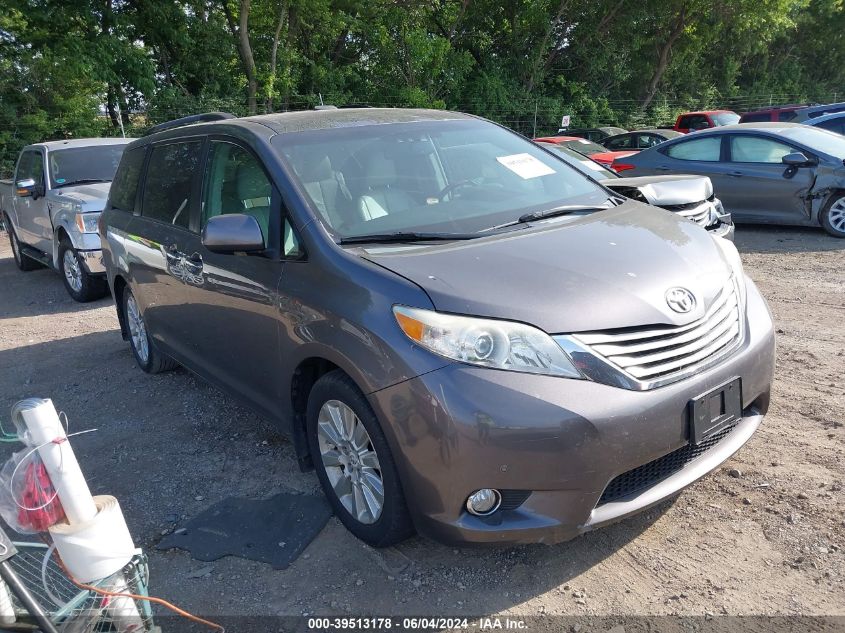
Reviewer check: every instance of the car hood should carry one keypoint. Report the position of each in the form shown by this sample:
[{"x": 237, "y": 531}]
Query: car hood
[
  {"x": 92, "y": 196},
  {"x": 666, "y": 190},
  {"x": 606, "y": 270}
]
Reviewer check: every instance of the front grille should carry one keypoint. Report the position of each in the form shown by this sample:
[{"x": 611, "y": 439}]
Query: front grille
[
  {"x": 648, "y": 475},
  {"x": 660, "y": 353},
  {"x": 698, "y": 212}
]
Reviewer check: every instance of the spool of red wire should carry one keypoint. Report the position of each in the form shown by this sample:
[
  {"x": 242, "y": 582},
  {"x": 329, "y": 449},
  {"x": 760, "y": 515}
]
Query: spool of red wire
[{"x": 39, "y": 506}]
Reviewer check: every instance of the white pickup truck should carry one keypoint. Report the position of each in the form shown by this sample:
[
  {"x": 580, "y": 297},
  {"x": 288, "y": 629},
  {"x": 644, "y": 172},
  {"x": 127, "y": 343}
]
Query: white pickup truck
[{"x": 51, "y": 207}]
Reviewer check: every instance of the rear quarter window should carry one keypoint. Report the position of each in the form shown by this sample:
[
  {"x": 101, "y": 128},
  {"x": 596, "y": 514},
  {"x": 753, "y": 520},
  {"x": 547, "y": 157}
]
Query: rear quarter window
[{"x": 124, "y": 188}]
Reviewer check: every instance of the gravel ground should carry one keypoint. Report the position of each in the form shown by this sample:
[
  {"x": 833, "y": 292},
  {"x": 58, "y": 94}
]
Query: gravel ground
[{"x": 765, "y": 534}]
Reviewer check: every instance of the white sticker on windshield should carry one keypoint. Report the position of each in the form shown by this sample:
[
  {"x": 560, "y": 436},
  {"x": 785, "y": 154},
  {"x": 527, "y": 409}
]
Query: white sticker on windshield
[{"x": 525, "y": 165}]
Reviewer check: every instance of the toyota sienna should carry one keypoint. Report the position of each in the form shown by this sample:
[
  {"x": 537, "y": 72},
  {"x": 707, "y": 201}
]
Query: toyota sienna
[{"x": 463, "y": 334}]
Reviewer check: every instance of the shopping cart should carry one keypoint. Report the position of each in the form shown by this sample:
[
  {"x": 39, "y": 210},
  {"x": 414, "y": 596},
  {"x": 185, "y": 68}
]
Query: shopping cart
[{"x": 44, "y": 598}]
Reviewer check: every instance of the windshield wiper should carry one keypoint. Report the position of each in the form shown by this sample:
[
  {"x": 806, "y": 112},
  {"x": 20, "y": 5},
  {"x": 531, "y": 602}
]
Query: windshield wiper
[
  {"x": 386, "y": 238},
  {"x": 548, "y": 213},
  {"x": 81, "y": 181}
]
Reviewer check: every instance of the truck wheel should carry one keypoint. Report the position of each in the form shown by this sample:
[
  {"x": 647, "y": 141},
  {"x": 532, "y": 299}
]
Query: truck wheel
[
  {"x": 354, "y": 463},
  {"x": 833, "y": 216},
  {"x": 143, "y": 348},
  {"x": 21, "y": 261},
  {"x": 80, "y": 285}
]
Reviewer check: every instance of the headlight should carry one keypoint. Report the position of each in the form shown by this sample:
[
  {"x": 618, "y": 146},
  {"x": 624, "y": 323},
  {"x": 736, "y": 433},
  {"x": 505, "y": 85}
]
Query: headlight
[
  {"x": 87, "y": 222},
  {"x": 486, "y": 342}
]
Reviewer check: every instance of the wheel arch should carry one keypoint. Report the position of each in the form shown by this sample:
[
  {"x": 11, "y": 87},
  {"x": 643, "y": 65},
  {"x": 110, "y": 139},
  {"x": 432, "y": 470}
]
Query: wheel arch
[{"x": 118, "y": 286}]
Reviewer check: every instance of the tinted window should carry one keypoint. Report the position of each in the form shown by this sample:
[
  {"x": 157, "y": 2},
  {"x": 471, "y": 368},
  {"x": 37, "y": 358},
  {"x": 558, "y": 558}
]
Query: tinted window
[
  {"x": 621, "y": 142},
  {"x": 788, "y": 115},
  {"x": 235, "y": 182},
  {"x": 755, "y": 149},
  {"x": 444, "y": 176},
  {"x": 125, "y": 186},
  {"x": 31, "y": 165},
  {"x": 834, "y": 125},
  {"x": 754, "y": 118},
  {"x": 704, "y": 149},
  {"x": 694, "y": 122},
  {"x": 167, "y": 189},
  {"x": 84, "y": 164}
]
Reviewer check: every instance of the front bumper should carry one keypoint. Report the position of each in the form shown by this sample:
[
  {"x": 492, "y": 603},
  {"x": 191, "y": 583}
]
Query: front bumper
[
  {"x": 93, "y": 262},
  {"x": 461, "y": 428}
]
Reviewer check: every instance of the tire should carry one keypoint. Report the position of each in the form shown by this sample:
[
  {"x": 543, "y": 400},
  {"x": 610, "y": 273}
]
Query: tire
[
  {"x": 80, "y": 284},
  {"x": 143, "y": 347},
  {"x": 833, "y": 216},
  {"x": 358, "y": 465},
  {"x": 23, "y": 262}
]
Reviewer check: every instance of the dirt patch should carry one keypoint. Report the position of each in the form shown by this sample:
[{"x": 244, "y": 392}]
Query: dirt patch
[{"x": 770, "y": 541}]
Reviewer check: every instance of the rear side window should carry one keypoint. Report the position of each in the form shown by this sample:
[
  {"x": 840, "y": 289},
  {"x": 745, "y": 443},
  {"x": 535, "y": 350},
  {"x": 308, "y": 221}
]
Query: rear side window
[
  {"x": 788, "y": 115},
  {"x": 167, "y": 189},
  {"x": 755, "y": 118},
  {"x": 834, "y": 125},
  {"x": 703, "y": 149},
  {"x": 623, "y": 142},
  {"x": 694, "y": 122},
  {"x": 236, "y": 183},
  {"x": 124, "y": 188},
  {"x": 755, "y": 149}
]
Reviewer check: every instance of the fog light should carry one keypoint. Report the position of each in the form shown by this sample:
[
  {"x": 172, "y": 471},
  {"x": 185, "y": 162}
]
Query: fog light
[{"x": 484, "y": 501}]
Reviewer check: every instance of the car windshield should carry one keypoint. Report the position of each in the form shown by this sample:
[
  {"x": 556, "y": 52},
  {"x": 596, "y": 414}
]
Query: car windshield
[
  {"x": 96, "y": 163},
  {"x": 725, "y": 118},
  {"x": 819, "y": 139},
  {"x": 582, "y": 145},
  {"x": 446, "y": 177},
  {"x": 581, "y": 162}
]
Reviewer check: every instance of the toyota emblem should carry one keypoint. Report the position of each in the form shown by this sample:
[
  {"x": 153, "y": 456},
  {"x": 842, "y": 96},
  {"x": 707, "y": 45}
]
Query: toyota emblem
[{"x": 680, "y": 300}]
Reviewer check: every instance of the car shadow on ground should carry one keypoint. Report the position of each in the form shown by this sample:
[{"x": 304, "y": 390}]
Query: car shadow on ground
[
  {"x": 759, "y": 238},
  {"x": 37, "y": 292}
]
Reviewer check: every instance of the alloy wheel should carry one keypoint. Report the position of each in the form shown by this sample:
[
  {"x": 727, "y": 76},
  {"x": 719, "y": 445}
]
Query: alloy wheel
[
  {"x": 137, "y": 329},
  {"x": 72, "y": 270},
  {"x": 836, "y": 215},
  {"x": 350, "y": 461}
]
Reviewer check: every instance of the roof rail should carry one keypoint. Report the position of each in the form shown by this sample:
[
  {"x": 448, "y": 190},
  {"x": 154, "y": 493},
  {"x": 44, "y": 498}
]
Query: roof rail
[{"x": 188, "y": 120}]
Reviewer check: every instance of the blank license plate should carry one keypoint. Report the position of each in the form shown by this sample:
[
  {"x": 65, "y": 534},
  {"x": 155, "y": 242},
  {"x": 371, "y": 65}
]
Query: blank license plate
[{"x": 715, "y": 410}]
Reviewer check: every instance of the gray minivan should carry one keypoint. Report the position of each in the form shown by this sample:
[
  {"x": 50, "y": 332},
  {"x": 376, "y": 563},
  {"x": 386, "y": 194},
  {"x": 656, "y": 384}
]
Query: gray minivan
[{"x": 464, "y": 335}]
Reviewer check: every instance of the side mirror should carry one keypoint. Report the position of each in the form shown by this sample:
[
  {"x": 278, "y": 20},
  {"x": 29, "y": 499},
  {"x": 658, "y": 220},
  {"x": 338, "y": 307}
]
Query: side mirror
[
  {"x": 796, "y": 159},
  {"x": 25, "y": 187},
  {"x": 233, "y": 233}
]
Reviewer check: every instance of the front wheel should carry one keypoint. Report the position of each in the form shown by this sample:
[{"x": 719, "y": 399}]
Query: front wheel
[
  {"x": 354, "y": 463},
  {"x": 143, "y": 348},
  {"x": 833, "y": 216},
  {"x": 81, "y": 285}
]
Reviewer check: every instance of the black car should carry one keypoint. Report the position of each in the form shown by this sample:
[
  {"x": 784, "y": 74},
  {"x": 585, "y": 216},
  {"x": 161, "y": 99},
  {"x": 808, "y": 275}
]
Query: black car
[{"x": 594, "y": 134}]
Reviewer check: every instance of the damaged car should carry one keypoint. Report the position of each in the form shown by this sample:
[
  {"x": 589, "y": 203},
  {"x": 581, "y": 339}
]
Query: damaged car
[
  {"x": 687, "y": 195},
  {"x": 772, "y": 173}
]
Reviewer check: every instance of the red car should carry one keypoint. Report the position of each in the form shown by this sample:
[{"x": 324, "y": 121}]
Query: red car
[
  {"x": 774, "y": 113},
  {"x": 597, "y": 152},
  {"x": 692, "y": 121}
]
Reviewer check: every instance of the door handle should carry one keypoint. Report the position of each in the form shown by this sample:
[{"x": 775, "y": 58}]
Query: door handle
[
  {"x": 736, "y": 174},
  {"x": 662, "y": 168}
]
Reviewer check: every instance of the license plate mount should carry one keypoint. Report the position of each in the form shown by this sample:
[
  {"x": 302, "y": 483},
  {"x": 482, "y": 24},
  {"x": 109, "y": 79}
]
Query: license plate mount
[{"x": 715, "y": 410}]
